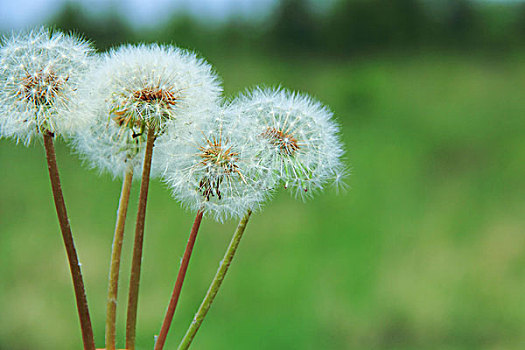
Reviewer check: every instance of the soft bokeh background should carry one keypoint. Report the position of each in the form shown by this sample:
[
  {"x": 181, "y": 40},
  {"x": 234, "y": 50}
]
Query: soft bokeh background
[{"x": 425, "y": 251}]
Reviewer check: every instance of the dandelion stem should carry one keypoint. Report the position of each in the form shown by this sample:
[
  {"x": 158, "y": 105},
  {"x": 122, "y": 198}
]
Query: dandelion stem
[
  {"x": 74, "y": 265},
  {"x": 161, "y": 339},
  {"x": 216, "y": 284},
  {"x": 134, "y": 282},
  {"x": 111, "y": 312}
]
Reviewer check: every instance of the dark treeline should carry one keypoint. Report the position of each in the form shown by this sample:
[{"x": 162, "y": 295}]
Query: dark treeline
[{"x": 350, "y": 27}]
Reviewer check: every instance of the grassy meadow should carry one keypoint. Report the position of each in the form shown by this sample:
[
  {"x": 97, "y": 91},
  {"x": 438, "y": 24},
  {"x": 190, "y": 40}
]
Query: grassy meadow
[{"x": 426, "y": 250}]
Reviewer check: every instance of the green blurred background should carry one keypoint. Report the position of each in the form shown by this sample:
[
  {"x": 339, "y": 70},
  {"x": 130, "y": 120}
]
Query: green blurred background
[{"x": 425, "y": 251}]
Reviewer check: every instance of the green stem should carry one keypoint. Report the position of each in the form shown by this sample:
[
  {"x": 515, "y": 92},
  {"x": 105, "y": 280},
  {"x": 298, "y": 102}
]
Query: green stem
[
  {"x": 161, "y": 339},
  {"x": 216, "y": 284},
  {"x": 111, "y": 311},
  {"x": 136, "y": 262},
  {"x": 74, "y": 265}
]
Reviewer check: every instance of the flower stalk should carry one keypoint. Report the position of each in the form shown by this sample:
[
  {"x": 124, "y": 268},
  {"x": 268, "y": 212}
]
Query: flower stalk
[
  {"x": 161, "y": 339},
  {"x": 74, "y": 265},
  {"x": 111, "y": 310},
  {"x": 216, "y": 284},
  {"x": 136, "y": 263}
]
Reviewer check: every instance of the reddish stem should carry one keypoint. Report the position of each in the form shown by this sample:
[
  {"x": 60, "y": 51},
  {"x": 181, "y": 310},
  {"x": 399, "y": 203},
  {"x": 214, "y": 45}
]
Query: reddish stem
[
  {"x": 161, "y": 339},
  {"x": 74, "y": 265}
]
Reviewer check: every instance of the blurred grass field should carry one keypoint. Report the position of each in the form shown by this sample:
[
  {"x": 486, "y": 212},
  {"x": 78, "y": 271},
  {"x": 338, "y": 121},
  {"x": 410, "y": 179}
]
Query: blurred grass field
[{"x": 425, "y": 251}]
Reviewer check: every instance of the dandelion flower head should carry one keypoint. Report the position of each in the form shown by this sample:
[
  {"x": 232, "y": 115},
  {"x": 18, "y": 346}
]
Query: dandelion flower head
[
  {"x": 296, "y": 136},
  {"x": 39, "y": 74},
  {"x": 137, "y": 88},
  {"x": 213, "y": 168}
]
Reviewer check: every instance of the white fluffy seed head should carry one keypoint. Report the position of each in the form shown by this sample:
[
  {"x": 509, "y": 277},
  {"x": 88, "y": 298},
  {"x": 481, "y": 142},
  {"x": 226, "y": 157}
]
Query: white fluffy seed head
[
  {"x": 213, "y": 167},
  {"x": 40, "y": 72},
  {"x": 296, "y": 137},
  {"x": 135, "y": 88}
]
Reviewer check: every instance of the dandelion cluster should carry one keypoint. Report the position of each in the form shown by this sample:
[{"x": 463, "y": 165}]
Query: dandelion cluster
[
  {"x": 135, "y": 88},
  {"x": 296, "y": 137},
  {"x": 39, "y": 75},
  {"x": 218, "y": 157},
  {"x": 158, "y": 110}
]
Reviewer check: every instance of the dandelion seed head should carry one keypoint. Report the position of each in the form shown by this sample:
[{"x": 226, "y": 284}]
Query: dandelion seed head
[
  {"x": 296, "y": 137},
  {"x": 212, "y": 167},
  {"x": 40, "y": 73},
  {"x": 133, "y": 89}
]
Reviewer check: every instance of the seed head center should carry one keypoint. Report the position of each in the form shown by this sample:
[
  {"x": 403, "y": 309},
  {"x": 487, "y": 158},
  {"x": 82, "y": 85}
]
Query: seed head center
[
  {"x": 284, "y": 141},
  {"x": 126, "y": 114},
  {"x": 41, "y": 88},
  {"x": 150, "y": 95},
  {"x": 214, "y": 155},
  {"x": 220, "y": 162}
]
